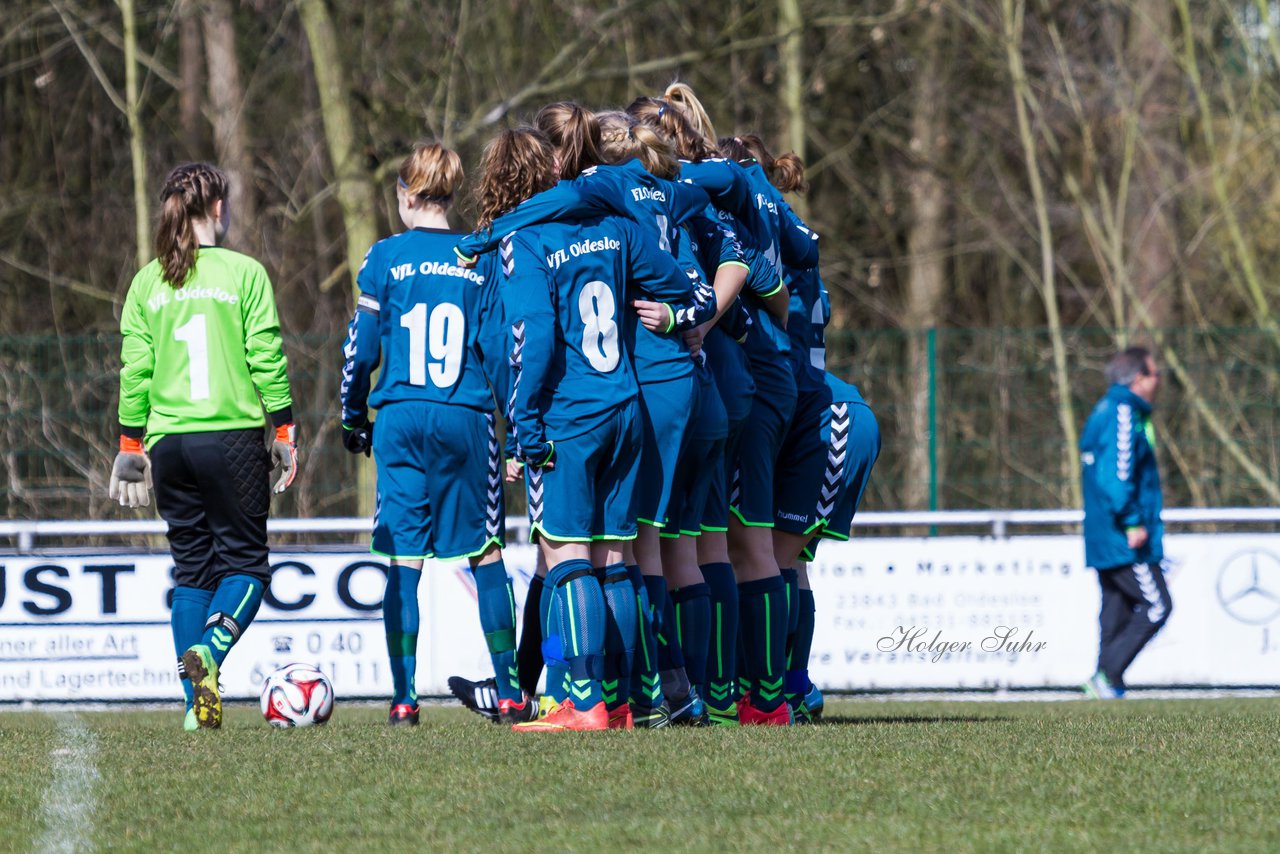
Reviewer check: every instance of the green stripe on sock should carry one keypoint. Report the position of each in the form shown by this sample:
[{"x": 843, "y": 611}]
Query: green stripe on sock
[
  {"x": 401, "y": 644},
  {"x": 768, "y": 641},
  {"x": 503, "y": 640},
  {"x": 243, "y": 601},
  {"x": 719, "y": 642},
  {"x": 573, "y": 629},
  {"x": 644, "y": 647}
]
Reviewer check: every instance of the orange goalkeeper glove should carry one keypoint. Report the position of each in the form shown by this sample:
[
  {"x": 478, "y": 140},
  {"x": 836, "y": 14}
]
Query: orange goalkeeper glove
[{"x": 284, "y": 456}]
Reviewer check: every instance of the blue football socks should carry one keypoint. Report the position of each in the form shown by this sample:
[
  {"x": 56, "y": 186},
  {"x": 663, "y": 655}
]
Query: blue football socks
[
  {"x": 693, "y": 628},
  {"x": 763, "y": 606},
  {"x": 620, "y": 639},
  {"x": 722, "y": 653},
  {"x": 190, "y": 610},
  {"x": 578, "y": 617},
  {"x": 646, "y": 685},
  {"x": 400, "y": 620},
  {"x": 231, "y": 610},
  {"x": 497, "y": 602}
]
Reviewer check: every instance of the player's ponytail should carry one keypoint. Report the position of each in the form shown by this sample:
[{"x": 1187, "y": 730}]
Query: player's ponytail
[
  {"x": 515, "y": 165},
  {"x": 188, "y": 195},
  {"x": 681, "y": 96},
  {"x": 785, "y": 172},
  {"x": 670, "y": 123},
  {"x": 622, "y": 138},
  {"x": 432, "y": 173},
  {"x": 574, "y": 132}
]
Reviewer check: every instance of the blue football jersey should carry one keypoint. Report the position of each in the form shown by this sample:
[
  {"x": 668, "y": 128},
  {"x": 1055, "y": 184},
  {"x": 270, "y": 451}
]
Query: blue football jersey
[
  {"x": 798, "y": 244},
  {"x": 656, "y": 205},
  {"x": 567, "y": 285},
  {"x": 709, "y": 244},
  {"x": 626, "y": 189},
  {"x": 436, "y": 329},
  {"x": 809, "y": 309},
  {"x": 733, "y": 192}
]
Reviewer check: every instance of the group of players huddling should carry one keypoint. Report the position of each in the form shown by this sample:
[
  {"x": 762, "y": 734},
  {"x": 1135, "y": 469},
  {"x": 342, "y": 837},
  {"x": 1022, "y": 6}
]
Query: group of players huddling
[{"x": 646, "y": 311}]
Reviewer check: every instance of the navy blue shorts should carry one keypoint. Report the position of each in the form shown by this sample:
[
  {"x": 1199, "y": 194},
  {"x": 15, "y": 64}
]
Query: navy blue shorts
[
  {"x": 666, "y": 409},
  {"x": 701, "y": 461},
  {"x": 589, "y": 493},
  {"x": 439, "y": 482},
  {"x": 751, "y": 490},
  {"x": 824, "y": 468}
]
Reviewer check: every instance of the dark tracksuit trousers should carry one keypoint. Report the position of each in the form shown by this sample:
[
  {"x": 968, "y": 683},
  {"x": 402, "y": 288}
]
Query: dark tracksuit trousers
[{"x": 1135, "y": 605}]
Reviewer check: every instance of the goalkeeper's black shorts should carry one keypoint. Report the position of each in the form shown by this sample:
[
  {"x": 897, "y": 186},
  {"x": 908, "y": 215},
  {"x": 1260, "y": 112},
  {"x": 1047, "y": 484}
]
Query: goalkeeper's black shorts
[{"x": 214, "y": 490}]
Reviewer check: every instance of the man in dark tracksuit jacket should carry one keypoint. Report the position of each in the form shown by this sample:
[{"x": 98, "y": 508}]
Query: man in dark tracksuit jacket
[{"x": 1122, "y": 528}]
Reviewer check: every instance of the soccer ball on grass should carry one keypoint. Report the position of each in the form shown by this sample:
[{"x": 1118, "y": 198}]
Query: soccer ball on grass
[{"x": 297, "y": 695}]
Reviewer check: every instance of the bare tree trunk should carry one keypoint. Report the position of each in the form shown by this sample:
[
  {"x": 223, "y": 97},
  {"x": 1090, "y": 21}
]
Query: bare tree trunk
[
  {"x": 1150, "y": 228},
  {"x": 1013, "y": 19},
  {"x": 137, "y": 146},
  {"x": 791, "y": 32},
  {"x": 355, "y": 191},
  {"x": 189, "y": 58},
  {"x": 1245, "y": 255},
  {"x": 926, "y": 279},
  {"x": 230, "y": 139}
]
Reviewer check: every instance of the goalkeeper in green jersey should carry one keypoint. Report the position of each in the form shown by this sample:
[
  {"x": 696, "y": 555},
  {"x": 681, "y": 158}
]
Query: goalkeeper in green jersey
[{"x": 200, "y": 361}]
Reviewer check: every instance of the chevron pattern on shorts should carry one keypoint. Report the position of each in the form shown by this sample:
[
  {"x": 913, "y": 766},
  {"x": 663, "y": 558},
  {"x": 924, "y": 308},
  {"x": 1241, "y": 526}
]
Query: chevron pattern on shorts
[
  {"x": 535, "y": 494},
  {"x": 837, "y": 454},
  {"x": 493, "y": 502}
]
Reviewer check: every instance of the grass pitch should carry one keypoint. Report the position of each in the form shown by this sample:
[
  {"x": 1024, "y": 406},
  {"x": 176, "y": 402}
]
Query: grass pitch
[{"x": 1186, "y": 775}]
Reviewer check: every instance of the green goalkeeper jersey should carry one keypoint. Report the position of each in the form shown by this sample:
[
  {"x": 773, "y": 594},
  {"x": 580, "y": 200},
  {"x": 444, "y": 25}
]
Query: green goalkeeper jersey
[{"x": 203, "y": 357}]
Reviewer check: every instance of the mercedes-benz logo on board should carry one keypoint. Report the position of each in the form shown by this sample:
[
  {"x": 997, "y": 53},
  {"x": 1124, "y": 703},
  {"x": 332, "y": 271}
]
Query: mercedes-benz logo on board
[{"x": 1249, "y": 587}]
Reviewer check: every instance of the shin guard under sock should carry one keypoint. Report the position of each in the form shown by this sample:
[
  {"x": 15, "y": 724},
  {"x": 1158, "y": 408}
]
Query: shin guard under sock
[
  {"x": 529, "y": 653},
  {"x": 190, "y": 610},
  {"x": 693, "y": 623},
  {"x": 552, "y": 647},
  {"x": 497, "y": 602},
  {"x": 400, "y": 621},
  {"x": 722, "y": 652},
  {"x": 620, "y": 639},
  {"x": 764, "y": 639},
  {"x": 231, "y": 610},
  {"x": 578, "y": 618},
  {"x": 646, "y": 685}
]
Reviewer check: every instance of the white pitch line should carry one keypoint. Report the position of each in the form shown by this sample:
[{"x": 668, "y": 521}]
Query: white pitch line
[{"x": 68, "y": 802}]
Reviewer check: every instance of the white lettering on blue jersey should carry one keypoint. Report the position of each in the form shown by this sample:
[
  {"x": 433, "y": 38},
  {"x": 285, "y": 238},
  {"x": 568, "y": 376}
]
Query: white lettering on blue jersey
[{"x": 582, "y": 247}]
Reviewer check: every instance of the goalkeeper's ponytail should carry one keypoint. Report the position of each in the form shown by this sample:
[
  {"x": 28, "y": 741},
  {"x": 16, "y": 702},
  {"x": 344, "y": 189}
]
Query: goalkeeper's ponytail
[{"x": 189, "y": 193}]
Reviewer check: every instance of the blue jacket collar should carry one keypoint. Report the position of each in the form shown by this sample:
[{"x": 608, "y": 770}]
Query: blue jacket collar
[{"x": 1122, "y": 394}]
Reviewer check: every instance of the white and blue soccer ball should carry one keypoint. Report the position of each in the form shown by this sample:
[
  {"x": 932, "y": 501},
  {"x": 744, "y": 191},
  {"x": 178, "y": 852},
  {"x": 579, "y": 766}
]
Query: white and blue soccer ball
[{"x": 297, "y": 695}]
